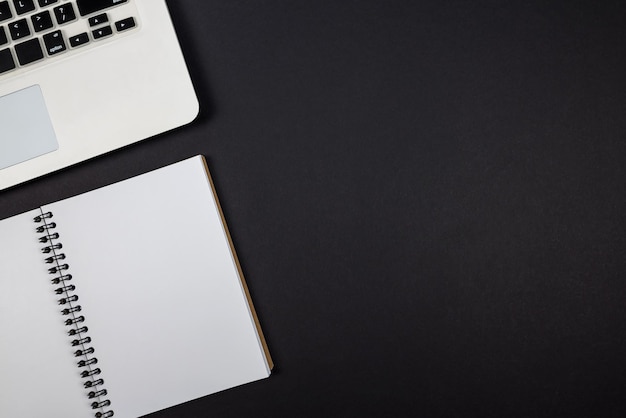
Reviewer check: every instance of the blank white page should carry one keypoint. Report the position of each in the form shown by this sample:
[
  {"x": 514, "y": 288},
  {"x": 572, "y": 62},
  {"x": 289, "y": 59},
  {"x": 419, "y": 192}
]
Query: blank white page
[
  {"x": 38, "y": 372},
  {"x": 160, "y": 289}
]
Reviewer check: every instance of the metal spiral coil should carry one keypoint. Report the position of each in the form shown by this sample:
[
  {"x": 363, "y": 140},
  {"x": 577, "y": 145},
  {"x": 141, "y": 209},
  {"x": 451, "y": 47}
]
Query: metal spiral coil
[{"x": 75, "y": 322}]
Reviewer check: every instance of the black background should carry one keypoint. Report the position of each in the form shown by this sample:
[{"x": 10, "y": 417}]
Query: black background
[{"x": 427, "y": 198}]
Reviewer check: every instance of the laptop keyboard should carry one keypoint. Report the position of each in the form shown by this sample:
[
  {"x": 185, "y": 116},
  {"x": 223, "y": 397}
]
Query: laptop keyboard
[{"x": 35, "y": 31}]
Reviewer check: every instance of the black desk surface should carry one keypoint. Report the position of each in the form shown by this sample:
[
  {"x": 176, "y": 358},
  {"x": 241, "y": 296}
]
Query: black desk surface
[{"x": 427, "y": 198}]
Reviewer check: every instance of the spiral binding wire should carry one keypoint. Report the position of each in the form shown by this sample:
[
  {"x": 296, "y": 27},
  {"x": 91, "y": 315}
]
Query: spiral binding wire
[{"x": 74, "y": 321}]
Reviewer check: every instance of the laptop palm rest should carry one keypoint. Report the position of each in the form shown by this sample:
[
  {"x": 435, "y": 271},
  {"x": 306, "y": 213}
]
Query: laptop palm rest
[{"x": 25, "y": 128}]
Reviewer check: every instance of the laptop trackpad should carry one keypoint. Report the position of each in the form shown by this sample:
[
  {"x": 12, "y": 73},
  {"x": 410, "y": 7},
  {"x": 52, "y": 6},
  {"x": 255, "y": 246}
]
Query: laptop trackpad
[{"x": 25, "y": 128}]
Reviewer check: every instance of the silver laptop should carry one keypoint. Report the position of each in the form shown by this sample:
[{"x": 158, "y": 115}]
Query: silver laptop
[{"x": 79, "y": 78}]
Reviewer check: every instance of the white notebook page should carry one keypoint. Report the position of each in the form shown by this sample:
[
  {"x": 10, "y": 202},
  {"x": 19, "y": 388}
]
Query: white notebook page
[
  {"x": 160, "y": 289},
  {"x": 38, "y": 372}
]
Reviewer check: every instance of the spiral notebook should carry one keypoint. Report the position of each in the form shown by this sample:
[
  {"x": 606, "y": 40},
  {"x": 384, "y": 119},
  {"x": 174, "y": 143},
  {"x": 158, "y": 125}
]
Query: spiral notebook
[{"x": 124, "y": 301}]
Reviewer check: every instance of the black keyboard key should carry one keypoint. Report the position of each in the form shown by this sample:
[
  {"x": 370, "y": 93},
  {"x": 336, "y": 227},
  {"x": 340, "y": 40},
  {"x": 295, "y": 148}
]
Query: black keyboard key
[
  {"x": 98, "y": 19},
  {"x": 79, "y": 40},
  {"x": 125, "y": 24},
  {"x": 87, "y": 7},
  {"x": 102, "y": 32},
  {"x": 41, "y": 21},
  {"x": 3, "y": 36},
  {"x": 6, "y": 61},
  {"x": 23, "y": 6},
  {"x": 54, "y": 42},
  {"x": 29, "y": 51},
  {"x": 19, "y": 29},
  {"x": 44, "y": 3},
  {"x": 5, "y": 11},
  {"x": 64, "y": 13}
]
